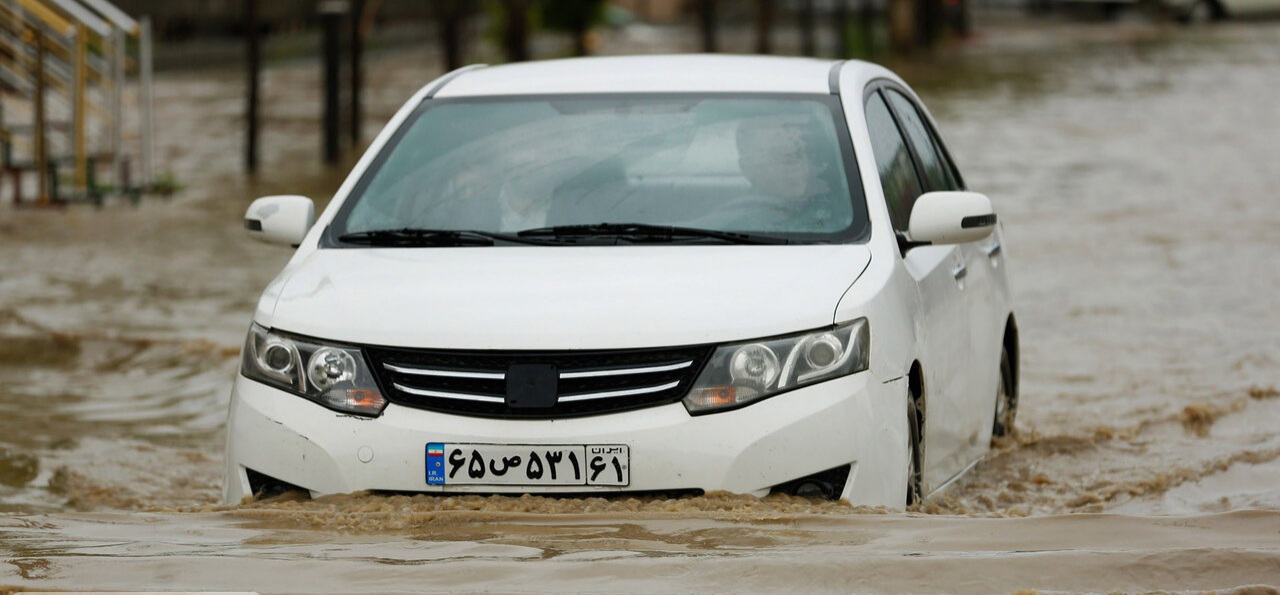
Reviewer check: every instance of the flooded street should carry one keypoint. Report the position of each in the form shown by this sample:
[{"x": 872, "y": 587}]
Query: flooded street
[{"x": 1131, "y": 164}]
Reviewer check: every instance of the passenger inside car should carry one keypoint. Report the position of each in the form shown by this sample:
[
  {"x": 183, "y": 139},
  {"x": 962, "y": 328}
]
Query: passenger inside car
[{"x": 785, "y": 161}]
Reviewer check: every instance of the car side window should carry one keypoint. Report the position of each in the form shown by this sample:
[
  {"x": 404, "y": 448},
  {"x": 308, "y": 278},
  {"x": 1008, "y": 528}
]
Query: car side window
[
  {"x": 894, "y": 162},
  {"x": 936, "y": 169}
]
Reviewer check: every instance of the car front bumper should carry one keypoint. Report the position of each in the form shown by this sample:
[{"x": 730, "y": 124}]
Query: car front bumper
[{"x": 855, "y": 420}]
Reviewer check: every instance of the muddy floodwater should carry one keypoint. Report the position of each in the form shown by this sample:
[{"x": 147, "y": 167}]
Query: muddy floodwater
[{"x": 1134, "y": 166}]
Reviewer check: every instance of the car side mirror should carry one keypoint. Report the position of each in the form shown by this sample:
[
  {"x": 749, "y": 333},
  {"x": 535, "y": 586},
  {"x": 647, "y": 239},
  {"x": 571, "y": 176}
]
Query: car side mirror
[
  {"x": 280, "y": 219},
  {"x": 951, "y": 218}
]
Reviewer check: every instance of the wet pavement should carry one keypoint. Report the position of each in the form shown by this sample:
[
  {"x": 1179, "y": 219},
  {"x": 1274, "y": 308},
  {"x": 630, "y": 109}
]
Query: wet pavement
[{"x": 1130, "y": 163}]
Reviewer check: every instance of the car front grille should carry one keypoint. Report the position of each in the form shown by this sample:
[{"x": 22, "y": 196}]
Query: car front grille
[{"x": 587, "y": 382}]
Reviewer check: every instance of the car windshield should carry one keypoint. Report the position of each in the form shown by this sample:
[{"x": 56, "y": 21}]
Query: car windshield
[{"x": 772, "y": 166}]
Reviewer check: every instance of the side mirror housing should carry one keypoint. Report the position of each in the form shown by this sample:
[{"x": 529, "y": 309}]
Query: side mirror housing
[
  {"x": 951, "y": 218},
  {"x": 280, "y": 219}
]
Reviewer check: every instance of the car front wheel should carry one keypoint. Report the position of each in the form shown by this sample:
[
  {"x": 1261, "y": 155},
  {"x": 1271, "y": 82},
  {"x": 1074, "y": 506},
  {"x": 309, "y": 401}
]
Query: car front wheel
[
  {"x": 1006, "y": 398},
  {"x": 915, "y": 454}
]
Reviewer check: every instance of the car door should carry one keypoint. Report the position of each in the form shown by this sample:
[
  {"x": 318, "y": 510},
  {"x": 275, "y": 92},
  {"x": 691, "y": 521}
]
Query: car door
[
  {"x": 977, "y": 375},
  {"x": 942, "y": 322}
]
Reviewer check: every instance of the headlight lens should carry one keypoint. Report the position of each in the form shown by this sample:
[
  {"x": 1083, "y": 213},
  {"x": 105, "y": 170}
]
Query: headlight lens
[
  {"x": 332, "y": 375},
  {"x": 746, "y": 372}
]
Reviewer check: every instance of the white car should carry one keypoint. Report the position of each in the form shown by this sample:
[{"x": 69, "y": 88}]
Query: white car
[{"x": 634, "y": 274}]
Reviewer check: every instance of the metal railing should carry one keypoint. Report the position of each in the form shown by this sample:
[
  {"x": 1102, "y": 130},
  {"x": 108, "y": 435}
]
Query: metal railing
[{"x": 64, "y": 64}]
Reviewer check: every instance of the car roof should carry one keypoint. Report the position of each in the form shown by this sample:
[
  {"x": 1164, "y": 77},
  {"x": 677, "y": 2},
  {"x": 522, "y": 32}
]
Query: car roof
[{"x": 649, "y": 74}]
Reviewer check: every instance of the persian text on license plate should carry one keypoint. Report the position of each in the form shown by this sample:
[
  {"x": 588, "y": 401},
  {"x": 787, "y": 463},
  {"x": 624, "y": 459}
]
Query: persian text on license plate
[{"x": 528, "y": 464}]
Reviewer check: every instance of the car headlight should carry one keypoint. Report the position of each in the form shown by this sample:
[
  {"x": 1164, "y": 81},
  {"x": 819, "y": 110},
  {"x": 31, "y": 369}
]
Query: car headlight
[
  {"x": 744, "y": 372},
  {"x": 333, "y": 375}
]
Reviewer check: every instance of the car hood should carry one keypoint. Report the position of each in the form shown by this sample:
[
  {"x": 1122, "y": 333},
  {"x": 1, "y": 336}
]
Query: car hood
[{"x": 603, "y": 297}]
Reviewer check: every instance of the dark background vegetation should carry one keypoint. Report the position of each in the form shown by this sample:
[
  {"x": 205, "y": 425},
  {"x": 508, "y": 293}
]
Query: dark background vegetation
[{"x": 859, "y": 28}]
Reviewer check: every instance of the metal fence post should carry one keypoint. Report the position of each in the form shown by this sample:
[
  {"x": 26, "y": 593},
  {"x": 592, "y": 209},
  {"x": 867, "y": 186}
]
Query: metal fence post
[
  {"x": 79, "y": 91},
  {"x": 42, "y": 152},
  {"x": 148, "y": 101},
  {"x": 254, "y": 59},
  {"x": 358, "y": 20},
  {"x": 331, "y": 13},
  {"x": 117, "y": 108}
]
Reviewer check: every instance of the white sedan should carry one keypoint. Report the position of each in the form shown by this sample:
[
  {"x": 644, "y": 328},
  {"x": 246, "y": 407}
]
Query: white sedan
[{"x": 667, "y": 274}]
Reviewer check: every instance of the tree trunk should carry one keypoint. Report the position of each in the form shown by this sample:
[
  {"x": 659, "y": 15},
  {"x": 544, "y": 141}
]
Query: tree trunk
[
  {"x": 450, "y": 17},
  {"x": 929, "y": 19},
  {"x": 580, "y": 30},
  {"x": 960, "y": 18},
  {"x": 708, "y": 22},
  {"x": 866, "y": 24},
  {"x": 808, "y": 41},
  {"x": 516, "y": 40},
  {"x": 764, "y": 26},
  {"x": 253, "y": 59},
  {"x": 840, "y": 24},
  {"x": 903, "y": 25},
  {"x": 356, "y": 70}
]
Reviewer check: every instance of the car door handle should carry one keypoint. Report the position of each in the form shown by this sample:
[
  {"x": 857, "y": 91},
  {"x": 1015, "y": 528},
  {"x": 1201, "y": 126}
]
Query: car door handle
[
  {"x": 960, "y": 272},
  {"x": 993, "y": 250}
]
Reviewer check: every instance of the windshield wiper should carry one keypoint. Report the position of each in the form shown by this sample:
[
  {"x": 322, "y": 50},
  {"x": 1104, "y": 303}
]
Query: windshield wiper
[
  {"x": 416, "y": 237},
  {"x": 641, "y": 233}
]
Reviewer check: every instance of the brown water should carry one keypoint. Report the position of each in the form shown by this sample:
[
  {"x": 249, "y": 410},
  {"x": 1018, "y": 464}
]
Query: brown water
[{"x": 1132, "y": 164}]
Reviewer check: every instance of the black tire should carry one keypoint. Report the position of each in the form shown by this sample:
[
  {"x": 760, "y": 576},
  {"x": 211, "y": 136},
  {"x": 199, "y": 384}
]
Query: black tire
[
  {"x": 915, "y": 454},
  {"x": 1006, "y": 398}
]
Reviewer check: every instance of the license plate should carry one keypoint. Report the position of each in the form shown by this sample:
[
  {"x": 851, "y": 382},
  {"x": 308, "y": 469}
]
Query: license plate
[{"x": 528, "y": 464}]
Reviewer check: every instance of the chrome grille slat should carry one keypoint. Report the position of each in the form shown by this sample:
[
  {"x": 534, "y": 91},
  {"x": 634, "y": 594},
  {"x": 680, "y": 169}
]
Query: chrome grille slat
[
  {"x": 447, "y": 395},
  {"x": 626, "y": 371},
  {"x": 563, "y": 375},
  {"x": 445, "y": 373},
  {"x": 619, "y": 393},
  {"x": 474, "y": 383}
]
